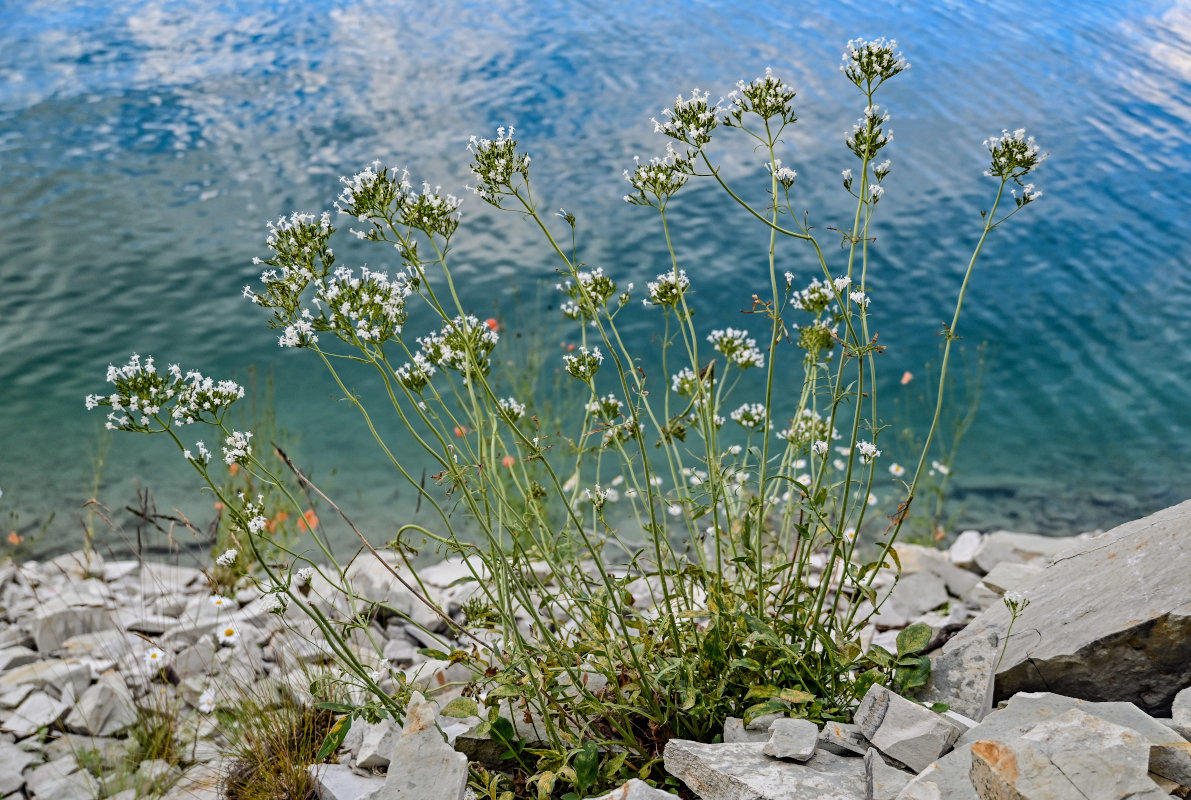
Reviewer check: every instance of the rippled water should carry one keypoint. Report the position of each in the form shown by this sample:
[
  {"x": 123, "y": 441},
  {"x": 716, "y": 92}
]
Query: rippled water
[{"x": 143, "y": 144}]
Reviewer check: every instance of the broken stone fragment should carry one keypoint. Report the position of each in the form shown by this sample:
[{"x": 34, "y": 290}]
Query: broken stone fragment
[
  {"x": 744, "y": 772},
  {"x": 843, "y": 739},
  {"x": 882, "y": 780},
  {"x": 904, "y": 730},
  {"x": 793, "y": 739},
  {"x": 636, "y": 790},
  {"x": 422, "y": 764},
  {"x": 736, "y": 733}
]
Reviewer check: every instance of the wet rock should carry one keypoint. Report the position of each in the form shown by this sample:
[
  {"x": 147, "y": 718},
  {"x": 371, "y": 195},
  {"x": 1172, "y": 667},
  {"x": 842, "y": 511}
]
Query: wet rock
[
  {"x": 744, "y": 772},
  {"x": 1076, "y": 637},
  {"x": 901, "y": 729}
]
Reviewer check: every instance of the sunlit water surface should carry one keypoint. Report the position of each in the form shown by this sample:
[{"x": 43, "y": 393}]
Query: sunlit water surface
[{"x": 144, "y": 144}]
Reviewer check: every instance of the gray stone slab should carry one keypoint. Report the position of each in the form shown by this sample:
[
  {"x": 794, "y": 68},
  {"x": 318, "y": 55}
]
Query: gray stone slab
[
  {"x": 948, "y": 777},
  {"x": 1007, "y": 577},
  {"x": 38, "y": 711},
  {"x": 736, "y": 733},
  {"x": 1180, "y": 713},
  {"x": 105, "y": 708},
  {"x": 635, "y": 790},
  {"x": 1077, "y": 637},
  {"x": 882, "y": 781},
  {"x": 793, "y": 739},
  {"x": 13, "y": 761},
  {"x": 843, "y": 739},
  {"x": 341, "y": 782},
  {"x": 422, "y": 765},
  {"x": 903, "y": 730},
  {"x": 744, "y": 772}
]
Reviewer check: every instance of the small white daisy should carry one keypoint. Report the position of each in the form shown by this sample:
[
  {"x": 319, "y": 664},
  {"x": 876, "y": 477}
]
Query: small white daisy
[
  {"x": 155, "y": 657},
  {"x": 219, "y": 601},
  {"x": 228, "y": 634},
  {"x": 896, "y": 470},
  {"x": 206, "y": 701}
]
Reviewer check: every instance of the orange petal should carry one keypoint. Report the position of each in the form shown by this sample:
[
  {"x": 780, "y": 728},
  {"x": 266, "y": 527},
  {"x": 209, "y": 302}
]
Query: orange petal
[{"x": 907, "y": 377}]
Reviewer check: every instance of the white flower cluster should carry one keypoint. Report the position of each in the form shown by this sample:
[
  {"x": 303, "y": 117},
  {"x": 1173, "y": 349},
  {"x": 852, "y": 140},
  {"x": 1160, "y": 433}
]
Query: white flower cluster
[
  {"x": 415, "y": 376},
  {"x": 686, "y": 383},
  {"x": 237, "y": 448},
  {"x": 668, "y": 289},
  {"x": 142, "y": 394},
  {"x": 817, "y": 295},
  {"x": 1014, "y": 155},
  {"x": 463, "y": 344},
  {"x": 859, "y": 298},
  {"x": 867, "y": 451},
  {"x": 691, "y": 120},
  {"x": 496, "y": 162},
  {"x": 204, "y": 455},
  {"x": 607, "y": 407},
  {"x": 750, "y": 416},
  {"x": 785, "y": 176},
  {"x": 738, "y": 347},
  {"x": 370, "y": 308},
  {"x": 806, "y": 428},
  {"x": 585, "y": 364},
  {"x": 302, "y": 577},
  {"x": 510, "y": 409},
  {"x": 867, "y": 64},
  {"x": 661, "y": 178},
  {"x": 868, "y": 135},
  {"x": 590, "y": 292},
  {"x": 228, "y": 558},
  {"x": 765, "y": 96},
  {"x": 598, "y": 496}
]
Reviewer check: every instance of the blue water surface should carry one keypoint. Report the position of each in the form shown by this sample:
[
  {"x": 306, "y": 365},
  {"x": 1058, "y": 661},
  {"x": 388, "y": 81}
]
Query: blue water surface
[{"x": 144, "y": 144}]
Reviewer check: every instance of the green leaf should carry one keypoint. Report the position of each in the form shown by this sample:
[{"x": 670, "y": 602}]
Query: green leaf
[
  {"x": 796, "y": 696},
  {"x": 939, "y": 708},
  {"x": 587, "y": 767},
  {"x": 338, "y": 708},
  {"x": 914, "y": 639},
  {"x": 744, "y": 663},
  {"x": 506, "y": 690},
  {"x": 461, "y": 707},
  {"x": 334, "y": 738},
  {"x": 432, "y": 653},
  {"x": 912, "y": 675},
  {"x": 761, "y": 709},
  {"x": 880, "y": 656},
  {"x": 765, "y": 690}
]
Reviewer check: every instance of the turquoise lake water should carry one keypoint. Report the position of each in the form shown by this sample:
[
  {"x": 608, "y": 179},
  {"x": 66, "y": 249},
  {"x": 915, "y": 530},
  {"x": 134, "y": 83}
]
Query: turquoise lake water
[{"x": 143, "y": 145}]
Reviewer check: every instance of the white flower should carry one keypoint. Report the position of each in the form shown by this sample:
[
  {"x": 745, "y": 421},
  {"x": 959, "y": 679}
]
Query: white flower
[
  {"x": 942, "y": 468},
  {"x": 219, "y": 601},
  {"x": 155, "y": 657},
  {"x": 896, "y": 470},
  {"x": 859, "y": 298},
  {"x": 867, "y": 450},
  {"x": 674, "y": 509},
  {"x": 228, "y": 634},
  {"x": 206, "y": 701},
  {"x": 228, "y": 558},
  {"x": 820, "y": 447},
  {"x": 304, "y": 575},
  {"x": 236, "y": 448},
  {"x": 850, "y": 534}
]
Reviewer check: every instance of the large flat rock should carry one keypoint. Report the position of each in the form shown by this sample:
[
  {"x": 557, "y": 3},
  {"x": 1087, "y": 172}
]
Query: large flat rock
[
  {"x": 744, "y": 772},
  {"x": 1109, "y": 619}
]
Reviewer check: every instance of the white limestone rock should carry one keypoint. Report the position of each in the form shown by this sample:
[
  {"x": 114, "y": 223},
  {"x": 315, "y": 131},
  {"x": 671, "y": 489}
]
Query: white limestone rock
[
  {"x": 422, "y": 765},
  {"x": 635, "y": 790},
  {"x": 882, "y": 781},
  {"x": 1072, "y": 755},
  {"x": 54, "y": 624},
  {"x": 736, "y": 733},
  {"x": 341, "y": 782},
  {"x": 903, "y": 730},
  {"x": 105, "y": 708},
  {"x": 1078, "y": 638},
  {"x": 38, "y": 711},
  {"x": 843, "y": 739},
  {"x": 1180, "y": 713},
  {"x": 949, "y": 776},
  {"x": 13, "y": 761},
  {"x": 793, "y": 739},
  {"x": 1009, "y": 577},
  {"x": 744, "y": 772},
  {"x": 377, "y": 744}
]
